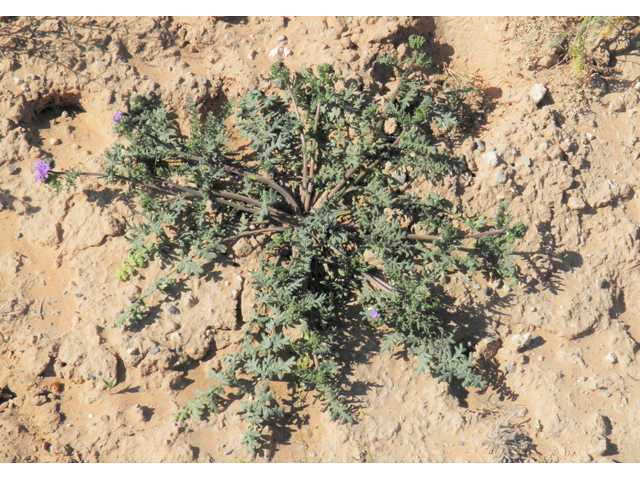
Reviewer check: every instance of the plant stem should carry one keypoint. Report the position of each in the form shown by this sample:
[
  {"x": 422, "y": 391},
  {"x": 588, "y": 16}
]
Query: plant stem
[
  {"x": 236, "y": 171},
  {"x": 256, "y": 232},
  {"x": 431, "y": 238}
]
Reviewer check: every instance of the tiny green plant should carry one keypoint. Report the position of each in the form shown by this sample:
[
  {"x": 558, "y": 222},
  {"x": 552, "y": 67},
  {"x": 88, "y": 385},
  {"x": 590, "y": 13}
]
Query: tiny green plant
[
  {"x": 324, "y": 174},
  {"x": 110, "y": 383}
]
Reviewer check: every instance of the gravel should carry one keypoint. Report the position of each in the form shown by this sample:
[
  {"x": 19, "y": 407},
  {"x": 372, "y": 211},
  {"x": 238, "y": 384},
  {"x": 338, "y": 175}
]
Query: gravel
[
  {"x": 526, "y": 161},
  {"x": 17, "y": 235},
  {"x": 501, "y": 178},
  {"x": 153, "y": 350},
  {"x": 173, "y": 310},
  {"x": 602, "y": 283},
  {"x": 611, "y": 358}
]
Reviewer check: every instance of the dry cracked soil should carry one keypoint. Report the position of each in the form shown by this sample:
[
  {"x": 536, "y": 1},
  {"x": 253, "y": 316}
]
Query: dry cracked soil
[{"x": 559, "y": 350}]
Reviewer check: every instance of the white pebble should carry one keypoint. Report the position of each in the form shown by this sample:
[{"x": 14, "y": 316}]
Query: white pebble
[
  {"x": 18, "y": 80},
  {"x": 537, "y": 93},
  {"x": 273, "y": 53},
  {"x": 287, "y": 52}
]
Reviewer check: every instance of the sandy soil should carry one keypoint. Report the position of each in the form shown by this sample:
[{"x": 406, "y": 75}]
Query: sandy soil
[{"x": 59, "y": 298}]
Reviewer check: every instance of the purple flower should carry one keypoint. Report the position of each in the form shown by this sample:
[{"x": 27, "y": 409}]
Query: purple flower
[
  {"x": 42, "y": 170},
  {"x": 374, "y": 313},
  {"x": 116, "y": 117}
]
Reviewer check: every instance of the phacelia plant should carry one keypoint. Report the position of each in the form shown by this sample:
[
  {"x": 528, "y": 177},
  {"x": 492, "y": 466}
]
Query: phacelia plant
[{"x": 325, "y": 175}]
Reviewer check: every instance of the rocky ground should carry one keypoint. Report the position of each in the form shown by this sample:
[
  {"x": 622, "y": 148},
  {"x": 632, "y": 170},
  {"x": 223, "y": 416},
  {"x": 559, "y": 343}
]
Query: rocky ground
[{"x": 560, "y": 350}]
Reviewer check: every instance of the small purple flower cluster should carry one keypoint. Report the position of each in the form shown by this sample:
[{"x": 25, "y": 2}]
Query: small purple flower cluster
[
  {"x": 42, "y": 170},
  {"x": 116, "y": 117},
  {"x": 374, "y": 313}
]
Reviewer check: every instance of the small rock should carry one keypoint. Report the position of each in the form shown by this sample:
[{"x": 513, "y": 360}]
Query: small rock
[
  {"x": 590, "y": 136},
  {"x": 537, "y": 93},
  {"x": 276, "y": 51},
  {"x": 487, "y": 348},
  {"x": 202, "y": 80},
  {"x": 510, "y": 368},
  {"x": 587, "y": 297},
  {"x": 600, "y": 445},
  {"x": 548, "y": 61},
  {"x": 252, "y": 54},
  {"x": 611, "y": 358},
  {"x": 501, "y": 178},
  {"x": 460, "y": 443},
  {"x": 487, "y": 290},
  {"x": 65, "y": 114},
  {"x": 602, "y": 283},
  {"x": 228, "y": 452},
  {"x": 25, "y": 87},
  {"x": 173, "y": 310},
  {"x": 637, "y": 86},
  {"x": 526, "y": 161},
  {"x": 617, "y": 105},
  {"x": 576, "y": 203},
  {"x": 286, "y": 52},
  {"x": 54, "y": 141},
  {"x": 523, "y": 340},
  {"x": 18, "y": 80},
  {"x": 281, "y": 38},
  {"x": 242, "y": 248},
  {"x": 17, "y": 235},
  {"x": 12, "y": 169},
  {"x": 91, "y": 377},
  {"x": 480, "y": 145},
  {"x": 153, "y": 350},
  {"x": 491, "y": 158}
]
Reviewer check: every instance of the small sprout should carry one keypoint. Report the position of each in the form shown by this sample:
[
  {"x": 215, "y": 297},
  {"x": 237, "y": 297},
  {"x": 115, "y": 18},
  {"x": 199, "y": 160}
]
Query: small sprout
[{"x": 110, "y": 383}]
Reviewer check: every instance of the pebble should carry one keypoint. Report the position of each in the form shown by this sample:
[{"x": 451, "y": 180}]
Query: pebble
[
  {"x": 252, "y": 54},
  {"x": 18, "y": 80},
  {"x": 281, "y": 38},
  {"x": 537, "y": 93},
  {"x": 54, "y": 141},
  {"x": 541, "y": 358},
  {"x": 17, "y": 235},
  {"x": 202, "y": 80},
  {"x": 487, "y": 291},
  {"x": 480, "y": 145},
  {"x": 228, "y": 452},
  {"x": 611, "y": 358},
  {"x": 274, "y": 52},
  {"x": 590, "y": 136},
  {"x": 587, "y": 297},
  {"x": 491, "y": 158},
  {"x": 576, "y": 203},
  {"x": 91, "y": 377},
  {"x": 526, "y": 161},
  {"x": 460, "y": 443},
  {"x": 522, "y": 340},
  {"x": 173, "y": 310},
  {"x": 286, "y": 52},
  {"x": 25, "y": 87},
  {"x": 637, "y": 86},
  {"x": 12, "y": 169},
  {"x": 501, "y": 178},
  {"x": 65, "y": 114},
  {"x": 606, "y": 394},
  {"x": 602, "y": 283},
  {"x": 510, "y": 368},
  {"x": 164, "y": 339},
  {"x": 153, "y": 350}
]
